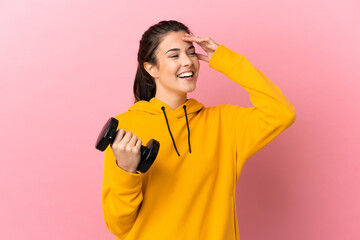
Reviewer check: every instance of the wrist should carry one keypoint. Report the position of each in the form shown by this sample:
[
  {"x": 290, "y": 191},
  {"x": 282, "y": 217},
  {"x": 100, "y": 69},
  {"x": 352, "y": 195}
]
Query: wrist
[{"x": 130, "y": 170}]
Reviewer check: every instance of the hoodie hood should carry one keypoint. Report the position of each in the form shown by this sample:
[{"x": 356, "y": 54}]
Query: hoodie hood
[
  {"x": 154, "y": 106},
  {"x": 157, "y": 107}
]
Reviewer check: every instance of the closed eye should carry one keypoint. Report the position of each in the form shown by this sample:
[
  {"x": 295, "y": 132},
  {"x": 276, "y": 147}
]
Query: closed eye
[{"x": 173, "y": 56}]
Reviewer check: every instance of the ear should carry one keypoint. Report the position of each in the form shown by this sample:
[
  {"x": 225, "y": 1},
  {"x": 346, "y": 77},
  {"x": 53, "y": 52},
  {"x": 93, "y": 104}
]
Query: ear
[{"x": 151, "y": 69}]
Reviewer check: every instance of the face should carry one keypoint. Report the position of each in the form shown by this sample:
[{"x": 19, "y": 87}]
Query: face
[{"x": 174, "y": 56}]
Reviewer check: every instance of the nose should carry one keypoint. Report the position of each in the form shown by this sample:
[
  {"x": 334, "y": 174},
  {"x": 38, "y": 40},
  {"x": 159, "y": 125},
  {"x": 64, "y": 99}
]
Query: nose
[{"x": 186, "y": 60}]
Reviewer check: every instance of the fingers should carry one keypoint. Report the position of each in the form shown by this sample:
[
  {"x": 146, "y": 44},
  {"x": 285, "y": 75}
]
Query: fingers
[
  {"x": 206, "y": 43},
  {"x": 127, "y": 137},
  {"x": 194, "y": 38},
  {"x": 126, "y": 140},
  {"x": 138, "y": 144},
  {"x": 119, "y": 135},
  {"x": 203, "y": 57},
  {"x": 133, "y": 144},
  {"x": 197, "y": 39}
]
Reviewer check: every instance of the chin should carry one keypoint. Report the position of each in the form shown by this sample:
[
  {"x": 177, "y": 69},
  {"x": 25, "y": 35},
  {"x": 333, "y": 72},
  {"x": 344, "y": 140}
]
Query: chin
[{"x": 191, "y": 90}]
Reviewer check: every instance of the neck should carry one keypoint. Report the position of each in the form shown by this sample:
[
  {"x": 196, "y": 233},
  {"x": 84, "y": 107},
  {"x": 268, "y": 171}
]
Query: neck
[{"x": 174, "y": 101}]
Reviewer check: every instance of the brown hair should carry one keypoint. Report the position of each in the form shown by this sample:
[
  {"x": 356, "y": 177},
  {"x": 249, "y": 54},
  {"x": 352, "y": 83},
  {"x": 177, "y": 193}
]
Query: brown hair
[{"x": 144, "y": 84}]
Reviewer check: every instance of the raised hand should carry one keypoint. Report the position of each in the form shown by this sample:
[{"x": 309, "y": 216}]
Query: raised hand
[{"x": 206, "y": 43}]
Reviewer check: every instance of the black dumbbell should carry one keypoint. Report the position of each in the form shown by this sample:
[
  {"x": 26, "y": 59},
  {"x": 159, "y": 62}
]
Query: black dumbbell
[{"x": 148, "y": 153}]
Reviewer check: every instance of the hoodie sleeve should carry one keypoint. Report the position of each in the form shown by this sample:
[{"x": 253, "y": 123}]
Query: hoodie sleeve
[
  {"x": 121, "y": 196},
  {"x": 252, "y": 127}
]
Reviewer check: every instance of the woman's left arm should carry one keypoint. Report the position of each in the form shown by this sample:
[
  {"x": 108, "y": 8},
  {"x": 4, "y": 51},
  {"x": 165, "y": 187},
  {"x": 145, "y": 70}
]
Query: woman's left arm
[{"x": 251, "y": 127}]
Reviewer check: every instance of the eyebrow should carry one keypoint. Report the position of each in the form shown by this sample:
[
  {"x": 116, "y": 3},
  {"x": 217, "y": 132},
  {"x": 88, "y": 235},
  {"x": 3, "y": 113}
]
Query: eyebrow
[{"x": 178, "y": 49}]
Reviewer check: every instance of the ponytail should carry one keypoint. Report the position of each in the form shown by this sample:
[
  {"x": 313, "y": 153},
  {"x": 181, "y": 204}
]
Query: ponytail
[{"x": 144, "y": 85}]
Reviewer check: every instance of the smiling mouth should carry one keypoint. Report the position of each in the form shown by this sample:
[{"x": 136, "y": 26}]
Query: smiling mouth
[{"x": 186, "y": 75}]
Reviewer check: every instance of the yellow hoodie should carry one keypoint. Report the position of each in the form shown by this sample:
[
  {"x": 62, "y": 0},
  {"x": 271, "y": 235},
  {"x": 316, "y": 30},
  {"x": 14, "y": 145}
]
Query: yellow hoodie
[{"x": 189, "y": 191}]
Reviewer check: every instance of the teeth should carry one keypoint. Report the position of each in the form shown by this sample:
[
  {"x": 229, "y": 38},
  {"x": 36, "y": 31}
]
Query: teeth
[{"x": 188, "y": 74}]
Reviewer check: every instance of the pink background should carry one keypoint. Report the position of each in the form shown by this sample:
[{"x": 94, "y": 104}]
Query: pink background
[{"x": 67, "y": 66}]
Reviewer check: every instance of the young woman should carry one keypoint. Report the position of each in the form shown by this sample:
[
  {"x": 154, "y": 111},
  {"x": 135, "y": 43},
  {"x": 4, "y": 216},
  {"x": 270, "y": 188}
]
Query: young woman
[{"x": 189, "y": 191}]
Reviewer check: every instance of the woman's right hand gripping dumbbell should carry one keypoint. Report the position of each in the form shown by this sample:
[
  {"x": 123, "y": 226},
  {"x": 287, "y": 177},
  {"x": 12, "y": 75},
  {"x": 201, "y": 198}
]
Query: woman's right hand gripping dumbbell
[{"x": 126, "y": 149}]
